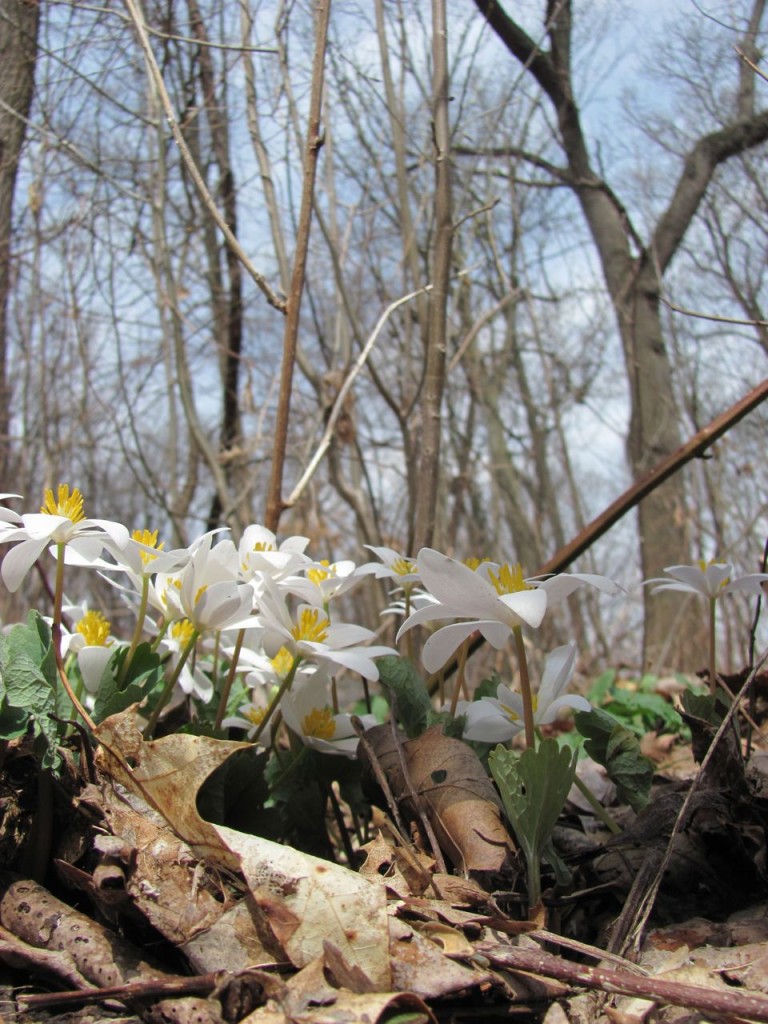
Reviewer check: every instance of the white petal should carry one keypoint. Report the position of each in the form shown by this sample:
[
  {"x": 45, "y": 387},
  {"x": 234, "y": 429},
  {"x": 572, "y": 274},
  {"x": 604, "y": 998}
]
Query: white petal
[
  {"x": 690, "y": 576},
  {"x": 356, "y": 659},
  {"x": 570, "y": 700},
  {"x": 754, "y": 583},
  {"x": 428, "y": 613},
  {"x": 93, "y": 661},
  {"x": 558, "y": 669},
  {"x": 563, "y": 585},
  {"x": 41, "y": 526},
  {"x": 527, "y": 605},
  {"x": 19, "y": 560},
  {"x": 345, "y": 634},
  {"x": 457, "y": 586},
  {"x": 119, "y": 534},
  {"x": 487, "y": 723},
  {"x": 442, "y": 645}
]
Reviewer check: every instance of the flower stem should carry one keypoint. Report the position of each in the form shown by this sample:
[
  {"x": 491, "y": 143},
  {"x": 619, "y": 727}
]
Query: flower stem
[
  {"x": 596, "y": 806},
  {"x": 227, "y": 688},
  {"x": 274, "y": 703},
  {"x": 171, "y": 682},
  {"x": 712, "y": 648},
  {"x": 58, "y": 600},
  {"x": 525, "y": 687},
  {"x": 65, "y": 680},
  {"x": 138, "y": 630},
  {"x": 459, "y": 684}
]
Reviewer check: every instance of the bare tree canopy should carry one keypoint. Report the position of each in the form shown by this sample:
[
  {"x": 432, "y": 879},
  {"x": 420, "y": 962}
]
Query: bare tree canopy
[{"x": 393, "y": 274}]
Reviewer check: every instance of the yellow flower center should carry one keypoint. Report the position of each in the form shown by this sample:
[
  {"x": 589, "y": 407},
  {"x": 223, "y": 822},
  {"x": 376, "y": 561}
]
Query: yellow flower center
[
  {"x": 311, "y": 626},
  {"x": 282, "y": 662},
  {"x": 183, "y": 631},
  {"x": 264, "y": 545},
  {"x": 714, "y": 561},
  {"x": 255, "y": 715},
  {"x": 403, "y": 567},
  {"x": 509, "y": 579},
  {"x": 200, "y": 592},
  {"x": 64, "y": 504},
  {"x": 511, "y": 714},
  {"x": 475, "y": 563},
  {"x": 149, "y": 540},
  {"x": 318, "y": 575},
  {"x": 319, "y": 723},
  {"x": 94, "y": 627}
]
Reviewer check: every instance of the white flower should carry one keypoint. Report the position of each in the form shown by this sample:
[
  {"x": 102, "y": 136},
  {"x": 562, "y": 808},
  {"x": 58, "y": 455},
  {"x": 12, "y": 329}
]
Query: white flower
[
  {"x": 260, "y": 555},
  {"x": 320, "y": 582},
  {"x": 207, "y": 592},
  {"x": 497, "y": 719},
  {"x": 710, "y": 580},
  {"x": 393, "y": 566},
  {"x": 251, "y": 715},
  {"x": 91, "y": 641},
  {"x": 143, "y": 556},
  {"x": 61, "y": 521},
  {"x": 192, "y": 680},
  {"x": 307, "y": 712},
  {"x": 311, "y": 634},
  {"x": 493, "y": 599}
]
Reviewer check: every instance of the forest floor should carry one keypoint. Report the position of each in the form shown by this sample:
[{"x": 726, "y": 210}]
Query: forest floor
[{"x": 121, "y": 903}]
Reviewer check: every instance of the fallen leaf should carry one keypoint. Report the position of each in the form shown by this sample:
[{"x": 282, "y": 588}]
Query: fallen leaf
[
  {"x": 167, "y": 773},
  {"x": 447, "y": 783},
  {"x": 419, "y": 966},
  {"x": 308, "y": 901}
]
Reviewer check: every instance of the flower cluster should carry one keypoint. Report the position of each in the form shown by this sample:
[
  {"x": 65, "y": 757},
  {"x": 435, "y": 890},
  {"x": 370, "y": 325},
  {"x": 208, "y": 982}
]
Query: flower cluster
[
  {"x": 263, "y": 609},
  {"x": 263, "y": 613}
]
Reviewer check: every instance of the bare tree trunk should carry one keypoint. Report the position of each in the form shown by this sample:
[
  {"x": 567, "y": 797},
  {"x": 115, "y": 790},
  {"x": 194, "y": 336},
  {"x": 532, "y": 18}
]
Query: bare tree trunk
[
  {"x": 229, "y": 305},
  {"x": 274, "y": 504},
  {"x": 19, "y": 21},
  {"x": 427, "y": 484},
  {"x": 634, "y": 284}
]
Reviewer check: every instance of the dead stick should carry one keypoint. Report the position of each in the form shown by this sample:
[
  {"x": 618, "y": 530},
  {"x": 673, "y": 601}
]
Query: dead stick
[
  {"x": 623, "y": 983},
  {"x": 201, "y": 984},
  {"x": 647, "y": 483},
  {"x": 695, "y": 446}
]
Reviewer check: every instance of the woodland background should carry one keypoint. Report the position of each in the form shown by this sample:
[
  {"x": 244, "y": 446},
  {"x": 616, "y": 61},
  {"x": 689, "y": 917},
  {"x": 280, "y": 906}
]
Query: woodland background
[{"x": 499, "y": 222}]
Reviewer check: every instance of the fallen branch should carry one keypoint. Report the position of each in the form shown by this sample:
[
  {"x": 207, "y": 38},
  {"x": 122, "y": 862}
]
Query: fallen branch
[
  {"x": 623, "y": 983},
  {"x": 647, "y": 483}
]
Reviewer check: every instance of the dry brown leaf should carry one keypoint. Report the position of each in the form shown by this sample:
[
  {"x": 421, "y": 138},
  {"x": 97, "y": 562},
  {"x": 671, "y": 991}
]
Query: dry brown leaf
[
  {"x": 419, "y": 966},
  {"x": 296, "y": 901},
  {"x": 453, "y": 790},
  {"x": 167, "y": 773},
  {"x": 165, "y": 880},
  {"x": 307, "y": 901},
  {"x": 309, "y": 998}
]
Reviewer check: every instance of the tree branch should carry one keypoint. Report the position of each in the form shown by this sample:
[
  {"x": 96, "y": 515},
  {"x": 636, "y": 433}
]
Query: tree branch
[
  {"x": 700, "y": 164},
  {"x": 314, "y": 142}
]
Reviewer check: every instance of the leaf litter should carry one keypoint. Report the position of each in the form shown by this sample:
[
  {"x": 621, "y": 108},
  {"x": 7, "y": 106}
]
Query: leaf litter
[{"x": 161, "y": 915}]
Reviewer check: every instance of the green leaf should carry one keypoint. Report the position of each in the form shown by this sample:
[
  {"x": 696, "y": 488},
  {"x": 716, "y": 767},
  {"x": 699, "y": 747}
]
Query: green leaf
[
  {"x": 602, "y": 686},
  {"x": 407, "y": 693},
  {"x": 31, "y": 689},
  {"x": 144, "y": 679},
  {"x": 705, "y": 706},
  {"x": 534, "y": 786},
  {"x": 487, "y": 687},
  {"x": 617, "y": 749},
  {"x": 644, "y": 711}
]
